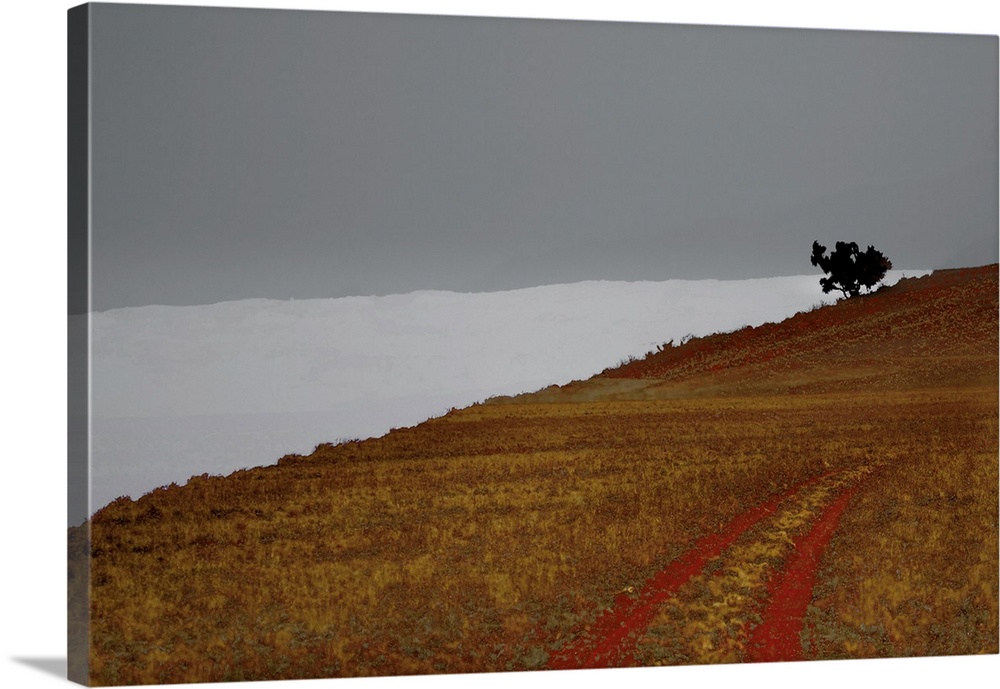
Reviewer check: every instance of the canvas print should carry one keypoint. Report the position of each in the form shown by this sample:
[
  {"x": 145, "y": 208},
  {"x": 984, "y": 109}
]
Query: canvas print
[{"x": 404, "y": 345}]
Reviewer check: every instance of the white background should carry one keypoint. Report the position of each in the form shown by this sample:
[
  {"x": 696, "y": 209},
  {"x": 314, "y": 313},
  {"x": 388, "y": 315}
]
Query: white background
[
  {"x": 33, "y": 38},
  {"x": 241, "y": 383}
]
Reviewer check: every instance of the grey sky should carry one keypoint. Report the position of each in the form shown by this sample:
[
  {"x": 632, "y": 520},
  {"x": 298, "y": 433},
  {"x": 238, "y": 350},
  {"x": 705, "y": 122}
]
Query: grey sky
[{"x": 272, "y": 153}]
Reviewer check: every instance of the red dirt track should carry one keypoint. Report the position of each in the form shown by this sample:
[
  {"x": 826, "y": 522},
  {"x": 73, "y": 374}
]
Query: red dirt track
[
  {"x": 777, "y": 638},
  {"x": 611, "y": 640}
]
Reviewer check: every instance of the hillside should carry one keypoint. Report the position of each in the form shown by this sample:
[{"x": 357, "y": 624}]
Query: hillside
[
  {"x": 935, "y": 330},
  {"x": 658, "y": 513},
  {"x": 932, "y": 331}
]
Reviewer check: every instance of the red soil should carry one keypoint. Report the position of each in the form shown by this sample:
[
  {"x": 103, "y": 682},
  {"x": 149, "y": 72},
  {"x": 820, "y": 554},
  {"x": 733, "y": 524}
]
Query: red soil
[
  {"x": 777, "y": 638},
  {"x": 610, "y": 640},
  {"x": 941, "y": 313}
]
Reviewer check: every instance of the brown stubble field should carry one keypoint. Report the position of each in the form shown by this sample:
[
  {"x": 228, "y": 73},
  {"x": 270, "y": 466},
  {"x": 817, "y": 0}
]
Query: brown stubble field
[{"x": 495, "y": 537}]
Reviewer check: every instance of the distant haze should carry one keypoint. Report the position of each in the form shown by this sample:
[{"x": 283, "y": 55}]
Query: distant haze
[
  {"x": 273, "y": 153},
  {"x": 179, "y": 391}
]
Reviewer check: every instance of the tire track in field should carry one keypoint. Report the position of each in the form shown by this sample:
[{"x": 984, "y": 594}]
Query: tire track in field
[
  {"x": 778, "y": 638},
  {"x": 611, "y": 640}
]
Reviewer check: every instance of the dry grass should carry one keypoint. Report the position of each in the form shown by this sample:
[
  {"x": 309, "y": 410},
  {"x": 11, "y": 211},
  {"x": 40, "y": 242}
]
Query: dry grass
[
  {"x": 485, "y": 539},
  {"x": 913, "y": 569}
]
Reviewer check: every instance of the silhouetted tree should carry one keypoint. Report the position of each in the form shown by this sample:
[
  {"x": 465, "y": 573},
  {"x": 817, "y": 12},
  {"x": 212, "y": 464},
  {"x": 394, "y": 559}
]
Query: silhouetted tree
[{"x": 849, "y": 269}]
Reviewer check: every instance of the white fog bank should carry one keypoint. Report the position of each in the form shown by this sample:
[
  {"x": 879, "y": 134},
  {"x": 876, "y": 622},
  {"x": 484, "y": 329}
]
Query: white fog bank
[{"x": 184, "y": 390}]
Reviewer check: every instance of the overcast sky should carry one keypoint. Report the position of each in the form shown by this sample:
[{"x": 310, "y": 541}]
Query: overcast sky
[{"x": 272, "y": 153}]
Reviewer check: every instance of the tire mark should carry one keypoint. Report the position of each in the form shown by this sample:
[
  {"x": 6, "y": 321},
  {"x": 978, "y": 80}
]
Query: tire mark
[
  {"x": 778, "y": 638},
  {"x": 609, "y": 641}
]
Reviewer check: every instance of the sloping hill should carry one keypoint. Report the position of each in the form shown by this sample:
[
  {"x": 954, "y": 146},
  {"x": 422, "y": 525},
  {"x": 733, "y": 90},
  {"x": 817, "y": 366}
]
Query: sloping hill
[
  {"x": 938, "y": 330},
  {"x": 649, "y": 515}
]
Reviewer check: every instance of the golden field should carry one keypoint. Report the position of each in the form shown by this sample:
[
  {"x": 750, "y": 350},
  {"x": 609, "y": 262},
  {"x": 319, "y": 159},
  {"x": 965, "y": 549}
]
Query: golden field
[{"x": 494, "y": 537}]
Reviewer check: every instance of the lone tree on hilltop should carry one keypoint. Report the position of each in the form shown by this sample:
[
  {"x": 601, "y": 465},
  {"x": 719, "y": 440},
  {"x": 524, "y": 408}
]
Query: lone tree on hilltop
[{"x": 850, "y": 269}]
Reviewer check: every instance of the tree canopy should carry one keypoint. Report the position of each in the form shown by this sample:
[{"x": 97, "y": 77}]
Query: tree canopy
[{"x": 849, "y": 269}]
